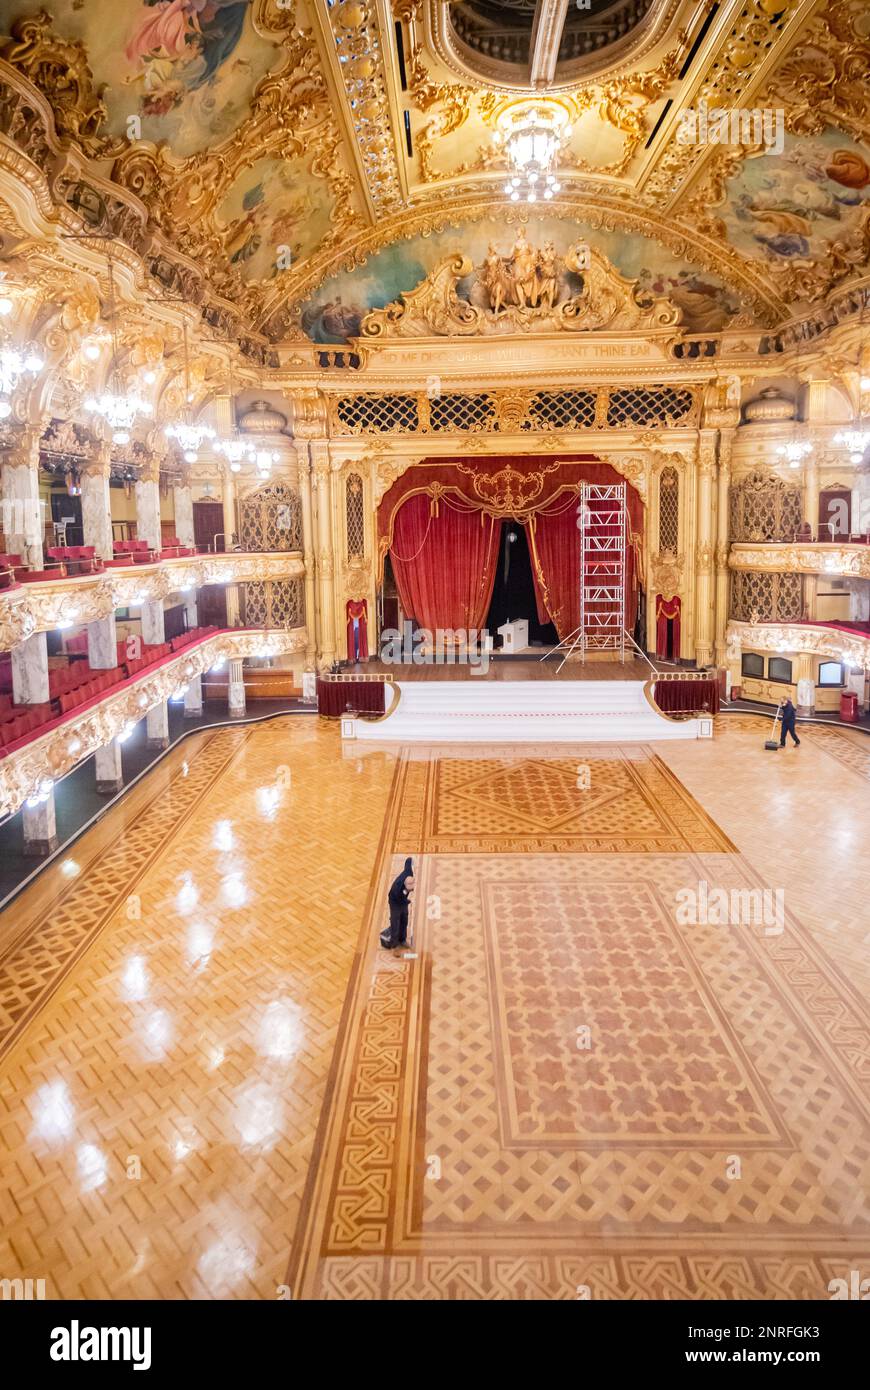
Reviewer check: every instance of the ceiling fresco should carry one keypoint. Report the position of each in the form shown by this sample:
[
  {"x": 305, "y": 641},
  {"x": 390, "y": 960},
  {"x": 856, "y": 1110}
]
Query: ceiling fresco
[
  {"x": 187, "y": 69},
  {"x": 309, "y": 161},
  {"x": 334, "y": 313}
]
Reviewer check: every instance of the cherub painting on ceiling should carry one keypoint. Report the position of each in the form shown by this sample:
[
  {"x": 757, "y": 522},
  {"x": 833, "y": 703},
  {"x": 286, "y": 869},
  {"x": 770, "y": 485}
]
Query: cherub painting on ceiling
[
  {"x": 797, "y": 207},
  {"x": 274, "y": 214},
  {"x": 186, "y": 69}
]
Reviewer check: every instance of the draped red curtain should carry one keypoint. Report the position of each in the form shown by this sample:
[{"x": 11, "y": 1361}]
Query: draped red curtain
[
  {"x": 554, "y": 541},
  {"x": 444, "y": 562},
  {"x": 667, "y": 609}
]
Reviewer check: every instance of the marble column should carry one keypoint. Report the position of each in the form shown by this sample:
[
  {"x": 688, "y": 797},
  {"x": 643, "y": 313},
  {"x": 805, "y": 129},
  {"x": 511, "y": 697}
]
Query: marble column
[
  {"x": 704, "y": 549},
  {"x": 228, "y": 498},
  {"x": 148, "y": 505},
  {"x": 810, "y": 493},
  {"x": 236, "y": 689},
  {"x": 153, "y": 629},
  {"x": 723, "y": 537},
  {"x": 308, "y": 554},
  {"x": 40, "y": 827},
  {"x": 96, "y": 503},
  {"x": 182, "y": 498},
  {"x": 22, "y": 509},
  {"x": 805, "y": 683},
  {"x": 103, "y": 643},
  {"x": 157, "y": 726},
  {"x": 325, "y": 559},
  {"x": 30, "y": 671},
  {"x": 108, "y": 768},
  {"x": 193, "y": 699}
]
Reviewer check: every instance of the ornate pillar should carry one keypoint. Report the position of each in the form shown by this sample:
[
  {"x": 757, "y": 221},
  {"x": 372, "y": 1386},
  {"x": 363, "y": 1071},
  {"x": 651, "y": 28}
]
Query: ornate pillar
[
  {"x": 148, "y": 505},
  {"x": 228, "y": 497},
  {"x": 723, "y": 537},
  {"x": 182, "y": 500},
  {"x": 30, "y": 671},
  {"x": 108, "y": 769},
  {"x": 39, "y": 825},
  {"x": 319, "y": 450},
  {"x": 22, "y": 511},
  {"x": 308, "y": 552},
  {"x": 811, "y": 492},
  {"x": 96, "y": 502},
  {"x": 236, "y": 688},
  {"x": 806, "y": 686},
  {"x": 704, "y": 624},
  {"x": 154, "y": 632},
  {"x": 103, "y": 643}
]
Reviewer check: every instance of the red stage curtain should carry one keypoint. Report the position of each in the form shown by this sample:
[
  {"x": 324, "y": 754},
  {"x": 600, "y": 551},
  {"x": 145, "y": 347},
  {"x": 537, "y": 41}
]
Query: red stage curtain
[
  {"x": 554, "y": 542},
  {"x": 357, "y": 608},
  {"x": 667, "y": 608},
  {"x": 444, "y": 562}
]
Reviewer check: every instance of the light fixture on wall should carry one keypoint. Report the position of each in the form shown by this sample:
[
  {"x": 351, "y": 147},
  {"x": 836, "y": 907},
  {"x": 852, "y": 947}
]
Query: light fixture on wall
[
  {"x": 118, "y": 408},
  {"x": 532, "y": 136},
  {"x": 794, "y": 451},
  {"x": 188, "y": 436}
]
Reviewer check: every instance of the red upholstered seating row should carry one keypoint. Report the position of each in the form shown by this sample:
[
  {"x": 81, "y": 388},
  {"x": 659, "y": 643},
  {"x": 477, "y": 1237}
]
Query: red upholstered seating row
[
  {"x": 25, "y": 719},
  {"x": 77, "y": 684},
  {"x": 131, "y": 553},
  {"x": 172, "y": 548}
]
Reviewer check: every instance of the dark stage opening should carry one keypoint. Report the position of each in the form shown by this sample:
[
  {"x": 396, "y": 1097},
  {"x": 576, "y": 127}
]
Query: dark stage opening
[{"x": 513, "y": 595}]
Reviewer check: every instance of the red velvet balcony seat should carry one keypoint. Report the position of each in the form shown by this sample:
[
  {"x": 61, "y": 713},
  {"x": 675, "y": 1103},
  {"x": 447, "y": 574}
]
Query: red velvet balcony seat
[{"x": 42, "y": 576}]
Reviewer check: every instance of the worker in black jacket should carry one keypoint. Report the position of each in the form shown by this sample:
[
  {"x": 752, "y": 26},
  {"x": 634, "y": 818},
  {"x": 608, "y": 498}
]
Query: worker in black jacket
[{"x": 789, "y": 716}]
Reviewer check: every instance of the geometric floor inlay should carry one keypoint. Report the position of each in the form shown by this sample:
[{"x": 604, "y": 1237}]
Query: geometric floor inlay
[{"x": 563, "y": 1086}]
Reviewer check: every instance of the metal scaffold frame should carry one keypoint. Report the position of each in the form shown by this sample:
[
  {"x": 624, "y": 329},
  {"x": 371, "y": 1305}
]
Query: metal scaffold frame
[{"x": 603, "y": 524}]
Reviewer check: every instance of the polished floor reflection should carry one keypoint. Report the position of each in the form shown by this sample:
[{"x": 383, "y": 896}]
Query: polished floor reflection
[{"x": 214, "y": 1084}]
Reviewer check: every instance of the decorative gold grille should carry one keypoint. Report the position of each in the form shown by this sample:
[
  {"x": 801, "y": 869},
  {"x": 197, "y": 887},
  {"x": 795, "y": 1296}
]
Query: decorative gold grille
[
  {"x": 764, "y": 508},
  {"x": 462, "y": 412},
  {"x": 669, "y": 511},
  {"x": 354, "y": 515},
  {"x": 766, "y": 598},
  {"x": 562, "y": 410},
  {"x": 275, "y": 603},
  {"x": 271, "y": 519},
  {"x": 491, "y": 412},
  {"x": 650, "y": 405}
]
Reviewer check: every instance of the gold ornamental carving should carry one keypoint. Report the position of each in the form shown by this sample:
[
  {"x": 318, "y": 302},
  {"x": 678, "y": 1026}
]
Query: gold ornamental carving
[
  {"x": 798, "y": 638},
  {"x": 507, "y": 492},
  {"x": 847, "y": 561},
  {"x": 667, "y": 574},
  {"x": 519, "y": 292}
]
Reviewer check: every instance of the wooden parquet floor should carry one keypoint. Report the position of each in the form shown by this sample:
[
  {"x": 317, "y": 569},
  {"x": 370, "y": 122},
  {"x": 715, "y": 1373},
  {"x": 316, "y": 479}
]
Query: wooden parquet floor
[{"x": 214, "y": 1084}]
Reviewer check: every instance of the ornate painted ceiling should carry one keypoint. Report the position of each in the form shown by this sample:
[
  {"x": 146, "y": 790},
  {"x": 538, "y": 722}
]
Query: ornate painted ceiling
[{"x": 289, "y": 165}]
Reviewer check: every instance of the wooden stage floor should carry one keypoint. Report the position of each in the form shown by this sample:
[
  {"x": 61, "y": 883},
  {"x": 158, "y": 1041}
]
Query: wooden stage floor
[{"x": 515, "y": 669}]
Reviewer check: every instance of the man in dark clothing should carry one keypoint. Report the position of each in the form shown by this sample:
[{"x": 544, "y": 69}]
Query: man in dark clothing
[
  {"x": 789, "y": 715},
  {"x": 398, "y": 899}
]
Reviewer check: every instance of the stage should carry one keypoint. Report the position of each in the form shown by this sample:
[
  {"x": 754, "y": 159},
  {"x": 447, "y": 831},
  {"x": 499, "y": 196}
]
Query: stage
[
  {"x": 481, "y": 709},
  {"x": 527, "y": 667}
]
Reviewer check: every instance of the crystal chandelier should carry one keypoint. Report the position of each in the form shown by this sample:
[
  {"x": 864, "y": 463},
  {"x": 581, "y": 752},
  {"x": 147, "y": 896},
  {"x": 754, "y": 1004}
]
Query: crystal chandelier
[
  {"x": 118, "y": 408},
  {"x": 189, "y": 436},
  {"x": 855, "y": 441},
  {"x": 15, "y": 363},
  {"x": 795, "y": 450},
  {"x": 234, "y": 448},
  {"x": 532, "y": 138}
]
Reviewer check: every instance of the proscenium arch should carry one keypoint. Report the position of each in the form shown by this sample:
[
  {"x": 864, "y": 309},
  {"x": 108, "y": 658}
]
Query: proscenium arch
[{"x": 606, "y": 214}]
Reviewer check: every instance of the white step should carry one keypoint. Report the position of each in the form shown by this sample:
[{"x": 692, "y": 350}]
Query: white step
[{"x": 478, "y": 710}]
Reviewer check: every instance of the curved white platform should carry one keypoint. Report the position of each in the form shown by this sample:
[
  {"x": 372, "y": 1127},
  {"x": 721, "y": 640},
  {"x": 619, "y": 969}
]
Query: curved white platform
[{"x": 575, "y": 711}]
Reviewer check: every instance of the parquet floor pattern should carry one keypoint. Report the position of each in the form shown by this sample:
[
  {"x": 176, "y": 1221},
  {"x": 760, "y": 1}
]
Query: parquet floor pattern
[
  {"x": 191, "y": 1041},
  {"x": 214, "y": 1084}
]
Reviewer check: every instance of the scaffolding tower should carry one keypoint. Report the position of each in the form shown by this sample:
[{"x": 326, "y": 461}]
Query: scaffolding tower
[{"x": 603, "y": 525}]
